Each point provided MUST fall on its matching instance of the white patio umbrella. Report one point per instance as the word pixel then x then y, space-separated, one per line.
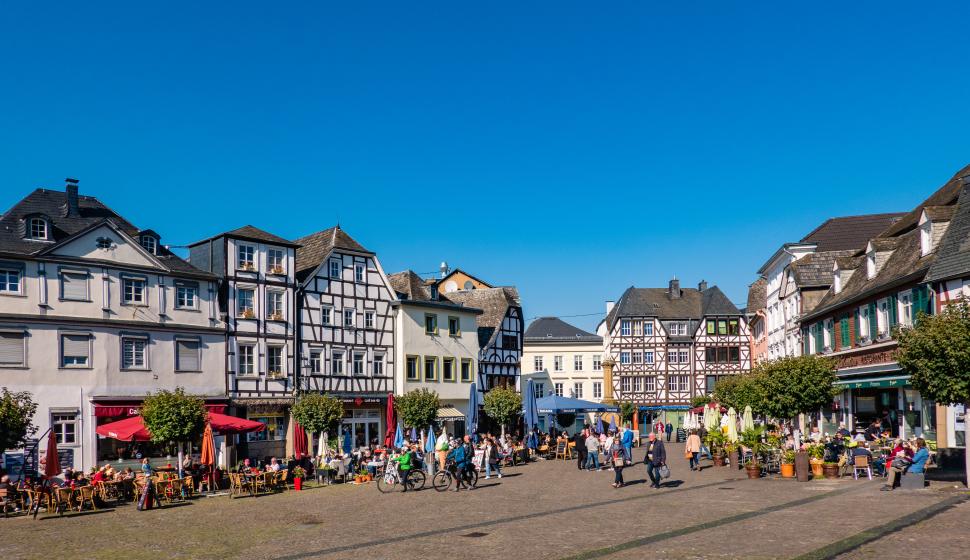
pixel 747 420
pixel 711 419
pixel 732 425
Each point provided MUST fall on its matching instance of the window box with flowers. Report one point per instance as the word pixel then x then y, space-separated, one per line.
pixel 276 375
pixel 247 314
pixel 276 270
pixel 276 317
pixel 247 267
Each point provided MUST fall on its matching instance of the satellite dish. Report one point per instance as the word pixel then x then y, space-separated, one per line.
pixel 451 286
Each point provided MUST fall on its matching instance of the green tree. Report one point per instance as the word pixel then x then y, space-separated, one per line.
pixel 318 413
pixel 936 354
pixel 626 411
pixel 502 404
pixel 417 408
pixel 700 400
pixel 16 413
pixel 790 386
pixel 174 416
pixel 739 391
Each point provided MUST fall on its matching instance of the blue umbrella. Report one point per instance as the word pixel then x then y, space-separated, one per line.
pixel 532 442
pixel 348 446
pixel 399 437
pixel 414 435
pixel 530 411
pixel 599 424
pixel 430 443
pixel 613 424
pixel 472 410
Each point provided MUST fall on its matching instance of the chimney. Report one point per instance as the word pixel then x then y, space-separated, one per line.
pixel 609 305
pixel 702 285
pixel 674 289
pixel 444 269
pixel 73 209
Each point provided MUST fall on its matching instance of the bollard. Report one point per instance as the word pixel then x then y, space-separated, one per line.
pixel 802 468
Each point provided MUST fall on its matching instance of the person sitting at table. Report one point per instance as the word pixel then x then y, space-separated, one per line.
pixel 843 431
pixel 874 430
pixel 99 476
pixel 274 465
pixel 902 464
pixel 13 495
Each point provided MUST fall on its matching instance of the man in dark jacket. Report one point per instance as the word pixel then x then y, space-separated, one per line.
pixel 580 439
pixel 669 429
pixel 656 456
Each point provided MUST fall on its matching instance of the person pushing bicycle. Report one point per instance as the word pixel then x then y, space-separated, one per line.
pixel 404 465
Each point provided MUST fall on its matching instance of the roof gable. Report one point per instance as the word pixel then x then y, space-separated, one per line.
pixel 655 302
pixel 316 247
pixel 121 248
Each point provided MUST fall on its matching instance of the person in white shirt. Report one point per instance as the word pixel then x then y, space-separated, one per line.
pixel 592 452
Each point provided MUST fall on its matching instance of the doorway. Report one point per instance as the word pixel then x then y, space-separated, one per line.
pixel 364 426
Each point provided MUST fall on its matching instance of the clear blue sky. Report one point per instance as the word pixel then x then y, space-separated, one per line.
pixel 570 148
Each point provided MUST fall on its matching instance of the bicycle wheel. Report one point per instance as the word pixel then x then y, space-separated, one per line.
pixel 441 481
pixel 416 480
pixel 473 478
pixel 387 483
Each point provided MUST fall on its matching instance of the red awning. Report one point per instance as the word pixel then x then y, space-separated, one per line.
pixel 132 408
pixel 133 429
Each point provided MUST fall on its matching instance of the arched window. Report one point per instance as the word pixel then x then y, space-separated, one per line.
pixel 37 228
pixel 149 243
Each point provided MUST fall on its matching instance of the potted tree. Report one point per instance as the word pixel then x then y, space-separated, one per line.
pixel 752 440
pixel 816 451
pixel 298 475
pixel 788 464
pixel 715 441
pixel 731 449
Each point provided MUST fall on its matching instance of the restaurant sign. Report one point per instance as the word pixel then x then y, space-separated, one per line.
pixel 867 358
pixel 875 384
pixel 358 401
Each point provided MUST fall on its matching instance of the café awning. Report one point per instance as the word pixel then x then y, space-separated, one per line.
pixel 554 404
pixel 133 429
pixel 450 413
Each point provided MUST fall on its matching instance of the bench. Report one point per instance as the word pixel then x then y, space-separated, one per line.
pixel 912 481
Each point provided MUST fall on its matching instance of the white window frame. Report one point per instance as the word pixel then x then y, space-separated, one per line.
pixel 377 368
pixel 636 357
pixel 598 362
pixel 648 357
pixel 352 323
pixel 649 384
pixel 198 354
pixel 135 340
pixel 882 317
pixel 270 350
pixel 58 420
pixel 648 328
pixel 558 389
pixel 274 265
pixel 905 311
pixel 359 363
pixel 337 362
pixel 368 319
pixel 557 363
pixel 828 334
pixel 240 308
pixel 44 229
pixel 577 362
pixel 865 326
pixel 186 296
pixel 7 272
pixel 626 327
pixel 276 305
pixel 316 361
pixel 81 275
pixel 638 384
pixel 246 257
pixel 132 282
pixel 242 363
pixel 360 273
pixel 597 389
pixel 625 384
pixel 624 357
pixel 539 390
pixel 149 243
pixel 326 315
pixel 335 268
pixel 578 389
pixel 537 363
pixel 637 328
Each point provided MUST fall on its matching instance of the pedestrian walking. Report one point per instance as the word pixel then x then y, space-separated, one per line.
pixel 627 442
pixel 669 428
pixel 580 441
pixel 618 463
pixel 592 452
pixel 693 449
pixel 656 456
pixel 492 458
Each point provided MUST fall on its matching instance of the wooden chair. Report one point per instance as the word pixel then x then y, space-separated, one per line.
pixel 188 486
pixel 280 482
pixel 562 450
pixel 861 463
pixel 62 499
pixel 85 494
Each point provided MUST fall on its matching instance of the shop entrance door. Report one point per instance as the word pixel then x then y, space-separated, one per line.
pixel 364 426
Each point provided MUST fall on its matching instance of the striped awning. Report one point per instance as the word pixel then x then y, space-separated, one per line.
pixel 450 413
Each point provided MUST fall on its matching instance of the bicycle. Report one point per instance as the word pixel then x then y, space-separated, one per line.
pixel 391 479
pixel 443 479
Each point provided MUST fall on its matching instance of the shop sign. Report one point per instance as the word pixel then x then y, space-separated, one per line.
pixel 867 359
pixel 882 384
pixel 358 401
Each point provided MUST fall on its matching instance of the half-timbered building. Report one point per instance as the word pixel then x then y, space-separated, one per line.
pixel 346 307
pixel 500 329
pixel 257 298
pixel 670 345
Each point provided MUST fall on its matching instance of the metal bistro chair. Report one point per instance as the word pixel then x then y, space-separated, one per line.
pixel 861 463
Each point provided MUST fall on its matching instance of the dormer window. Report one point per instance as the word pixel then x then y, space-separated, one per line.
pixel 434 293
pixel 871 265
pixel 837 281
pixel 926 238
pixel 150 243
pixel 37 228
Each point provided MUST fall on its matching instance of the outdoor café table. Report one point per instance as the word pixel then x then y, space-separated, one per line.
pixel 251 478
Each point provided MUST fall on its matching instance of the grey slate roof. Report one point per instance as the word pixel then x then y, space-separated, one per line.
pixel 849 232
pixel 410 287
pixel 251 233
pixel 945 195
pixel 554 329
pixel 654 302
pixel 92 212
pixel 953 254
pixel 757 295
pixel 494 302
pixel 815 270
pixel 315 247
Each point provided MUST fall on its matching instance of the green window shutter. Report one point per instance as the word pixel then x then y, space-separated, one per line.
pixel 844 330
pixel 893 319
pixel 819 338
pixel 806 347
pixel 873 321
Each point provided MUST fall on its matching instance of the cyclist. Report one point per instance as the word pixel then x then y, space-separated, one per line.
pixel 404 465
pixel 470 455
pixel 459 461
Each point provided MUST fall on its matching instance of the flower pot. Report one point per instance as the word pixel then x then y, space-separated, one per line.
pixel 298 484
pixel 733 458
pixel 787 470
pixel 830 470
pixel 816 468
pixel 718 460
pixel 753 470
pixel 368 478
